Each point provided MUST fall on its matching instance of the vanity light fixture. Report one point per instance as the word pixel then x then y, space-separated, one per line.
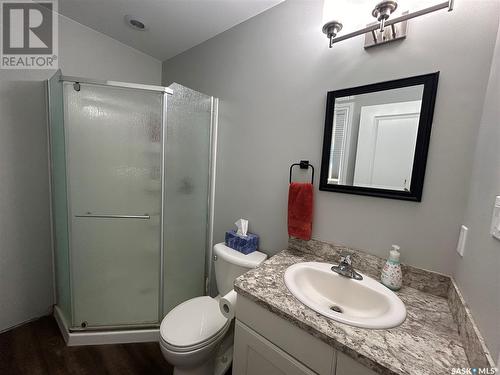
pixel 376 33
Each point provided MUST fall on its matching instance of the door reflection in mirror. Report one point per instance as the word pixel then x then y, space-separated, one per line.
pixel 372 144
pixel 374 137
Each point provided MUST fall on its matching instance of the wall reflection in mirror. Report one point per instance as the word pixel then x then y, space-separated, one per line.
pixel 373 138
pixel 371 135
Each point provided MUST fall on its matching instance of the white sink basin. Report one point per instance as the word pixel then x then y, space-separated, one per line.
pixel 361 303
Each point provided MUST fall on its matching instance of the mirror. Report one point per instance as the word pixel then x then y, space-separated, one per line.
pixel 377 136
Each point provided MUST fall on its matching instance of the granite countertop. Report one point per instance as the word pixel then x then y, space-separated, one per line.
pixel 426 343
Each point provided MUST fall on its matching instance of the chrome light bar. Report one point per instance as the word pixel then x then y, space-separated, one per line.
pixel 382 12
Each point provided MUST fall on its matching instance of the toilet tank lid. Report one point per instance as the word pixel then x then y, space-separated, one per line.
pixel 251 260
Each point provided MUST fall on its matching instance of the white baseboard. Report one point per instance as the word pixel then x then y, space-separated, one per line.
pixel 104 337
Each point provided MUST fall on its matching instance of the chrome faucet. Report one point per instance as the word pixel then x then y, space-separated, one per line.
pixel 345 268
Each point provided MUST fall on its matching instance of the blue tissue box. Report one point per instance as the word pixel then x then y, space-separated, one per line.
pixel 245 245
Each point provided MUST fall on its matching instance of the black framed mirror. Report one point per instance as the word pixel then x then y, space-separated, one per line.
pixel 377 136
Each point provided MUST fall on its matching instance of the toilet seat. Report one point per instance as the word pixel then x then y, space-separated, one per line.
pixel 193 324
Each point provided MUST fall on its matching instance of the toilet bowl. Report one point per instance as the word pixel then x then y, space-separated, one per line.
pixel 190 335
pixel 195 334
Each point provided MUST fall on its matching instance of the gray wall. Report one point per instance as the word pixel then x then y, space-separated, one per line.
pixel 477 272
pixel 26 289
pixel 272 74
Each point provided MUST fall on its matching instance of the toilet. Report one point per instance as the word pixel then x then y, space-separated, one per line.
pixel 194 336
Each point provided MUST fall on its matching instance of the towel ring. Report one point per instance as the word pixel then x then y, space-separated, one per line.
pixel 304 164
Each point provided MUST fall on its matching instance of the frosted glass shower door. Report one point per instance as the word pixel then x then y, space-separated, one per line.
pixel 187 172
pixel 59 195
pixel 114 162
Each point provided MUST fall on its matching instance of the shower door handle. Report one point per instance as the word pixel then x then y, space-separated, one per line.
pixel 110 216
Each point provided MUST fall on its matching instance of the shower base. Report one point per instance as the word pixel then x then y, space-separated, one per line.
pixel 103 337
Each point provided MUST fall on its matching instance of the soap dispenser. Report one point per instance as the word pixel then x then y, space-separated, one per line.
pixel 392 276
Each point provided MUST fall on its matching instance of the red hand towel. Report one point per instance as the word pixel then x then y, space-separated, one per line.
pixel 300 210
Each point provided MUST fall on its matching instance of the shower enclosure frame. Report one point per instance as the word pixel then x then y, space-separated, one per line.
pixel 124 328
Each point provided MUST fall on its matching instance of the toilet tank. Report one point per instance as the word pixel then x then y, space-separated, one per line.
pixel 229 264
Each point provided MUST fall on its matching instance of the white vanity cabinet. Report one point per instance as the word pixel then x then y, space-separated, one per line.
pixel 348 366
pixel 267 344
pixel 256 355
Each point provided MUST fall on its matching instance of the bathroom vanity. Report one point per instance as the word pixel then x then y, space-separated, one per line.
pixel 268 344
pixel 276 334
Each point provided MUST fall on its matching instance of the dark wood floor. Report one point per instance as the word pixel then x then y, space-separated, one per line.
pixel 37 348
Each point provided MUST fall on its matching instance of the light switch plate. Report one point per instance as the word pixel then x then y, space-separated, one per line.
pixel 495 220
pixel 461 240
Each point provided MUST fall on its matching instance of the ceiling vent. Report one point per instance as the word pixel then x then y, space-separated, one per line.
pixel 135 23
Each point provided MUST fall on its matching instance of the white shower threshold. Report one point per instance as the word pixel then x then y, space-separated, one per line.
pixel 103 337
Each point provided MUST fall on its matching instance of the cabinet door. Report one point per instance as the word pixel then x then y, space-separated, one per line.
pixel 348 366
pixel 254 355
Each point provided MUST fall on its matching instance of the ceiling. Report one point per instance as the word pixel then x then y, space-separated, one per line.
pixel 173 26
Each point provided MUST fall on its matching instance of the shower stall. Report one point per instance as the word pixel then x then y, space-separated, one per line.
pixel 132 185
